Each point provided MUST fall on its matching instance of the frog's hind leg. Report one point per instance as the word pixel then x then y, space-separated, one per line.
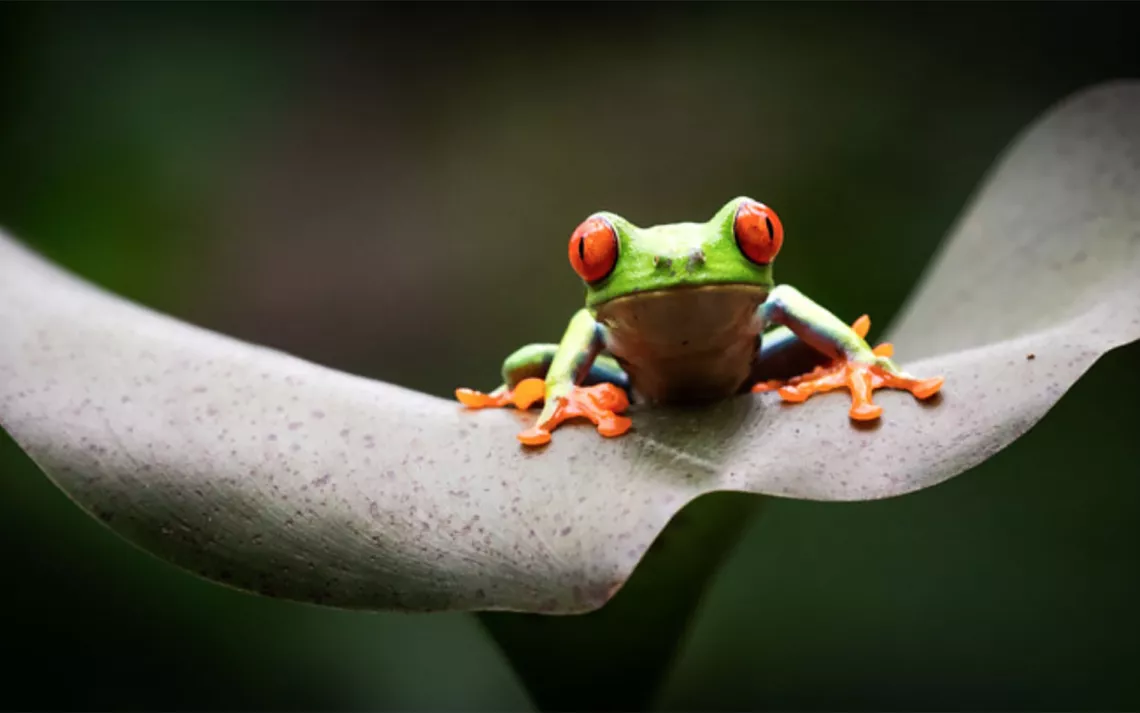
pixel 524 373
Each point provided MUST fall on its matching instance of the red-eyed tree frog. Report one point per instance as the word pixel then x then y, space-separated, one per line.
pixel 687 312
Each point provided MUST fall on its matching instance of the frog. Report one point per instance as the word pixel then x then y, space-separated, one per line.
pixel 685 313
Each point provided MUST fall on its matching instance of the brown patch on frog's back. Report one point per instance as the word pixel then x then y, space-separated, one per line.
pixel 686 343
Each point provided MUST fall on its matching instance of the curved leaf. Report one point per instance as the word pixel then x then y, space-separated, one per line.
pixel 272 474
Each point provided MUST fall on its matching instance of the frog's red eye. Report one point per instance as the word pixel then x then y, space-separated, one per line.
pixel 593 249
pixel 758 232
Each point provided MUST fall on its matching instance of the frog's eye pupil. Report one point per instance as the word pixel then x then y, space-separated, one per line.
pixel 593 249
pixel 758 231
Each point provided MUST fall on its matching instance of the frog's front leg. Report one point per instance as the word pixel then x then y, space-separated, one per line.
pixel 855 366
pixel 572 378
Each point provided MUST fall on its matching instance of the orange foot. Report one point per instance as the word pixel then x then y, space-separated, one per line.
pixel 600 403
pixel 862 378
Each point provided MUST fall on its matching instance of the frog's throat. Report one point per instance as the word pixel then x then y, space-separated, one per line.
pixel 687 342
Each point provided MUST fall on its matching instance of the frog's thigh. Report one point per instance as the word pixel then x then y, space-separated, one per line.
pixel 533 361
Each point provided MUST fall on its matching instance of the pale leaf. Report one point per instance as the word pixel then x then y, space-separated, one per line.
pixel 272 474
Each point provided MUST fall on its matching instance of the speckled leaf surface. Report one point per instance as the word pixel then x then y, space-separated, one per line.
pixel 272 474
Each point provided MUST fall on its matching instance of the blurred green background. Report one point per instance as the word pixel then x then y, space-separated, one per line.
pixel 388 189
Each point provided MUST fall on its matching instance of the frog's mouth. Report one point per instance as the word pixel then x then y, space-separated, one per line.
pixel 684 318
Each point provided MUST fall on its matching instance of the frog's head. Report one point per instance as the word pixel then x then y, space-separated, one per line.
pixel 736 248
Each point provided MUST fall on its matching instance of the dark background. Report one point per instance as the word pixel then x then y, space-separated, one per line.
pixel 388 189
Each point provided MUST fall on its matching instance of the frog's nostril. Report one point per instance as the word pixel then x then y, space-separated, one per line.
pixel 662 263
pixel 696 259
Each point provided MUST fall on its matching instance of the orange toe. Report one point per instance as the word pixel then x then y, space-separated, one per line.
pixel 476 399
pixel 535 436
pixel 614 426
pixel 865 411
pixel 764 386
pixel 793 394
pixel 925 388
pixel 527 393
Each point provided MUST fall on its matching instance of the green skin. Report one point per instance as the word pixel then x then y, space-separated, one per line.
pixel 683 316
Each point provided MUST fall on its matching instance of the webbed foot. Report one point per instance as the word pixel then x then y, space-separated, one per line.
pixel 600 403
pixel 861 376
